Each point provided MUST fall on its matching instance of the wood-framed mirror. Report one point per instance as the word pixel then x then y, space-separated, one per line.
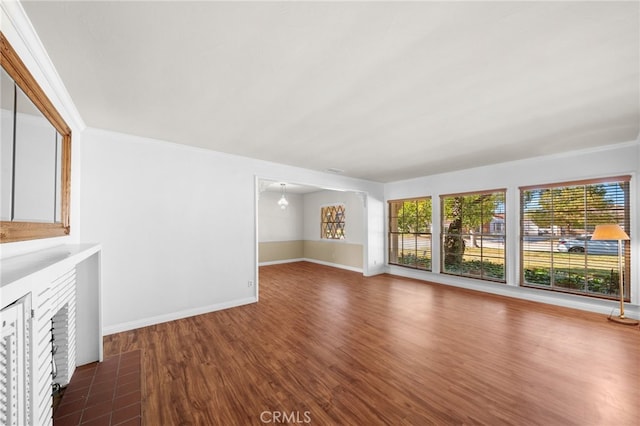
pixel 35 153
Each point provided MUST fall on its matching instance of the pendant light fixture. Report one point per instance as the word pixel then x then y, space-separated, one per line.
pixel 282 202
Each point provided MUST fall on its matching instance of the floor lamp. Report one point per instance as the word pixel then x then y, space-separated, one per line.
pixel 615 232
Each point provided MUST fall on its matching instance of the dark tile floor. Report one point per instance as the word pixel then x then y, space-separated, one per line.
pixel 103 394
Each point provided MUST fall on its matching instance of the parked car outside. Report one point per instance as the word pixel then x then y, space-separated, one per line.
pixel 583 243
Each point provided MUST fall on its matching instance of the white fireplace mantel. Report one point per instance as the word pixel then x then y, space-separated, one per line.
pixel 63 279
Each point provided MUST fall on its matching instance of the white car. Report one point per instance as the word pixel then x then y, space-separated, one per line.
pixel 583 244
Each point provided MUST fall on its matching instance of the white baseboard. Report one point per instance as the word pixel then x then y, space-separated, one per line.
pixel 584 303
pixel 320 262
pixel 376 270
pixel 126 326
pixel 280 262
pixel 334 265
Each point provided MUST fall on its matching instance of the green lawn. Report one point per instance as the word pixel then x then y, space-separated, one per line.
pixel 543 259
pixel 599 275
pixel 533 259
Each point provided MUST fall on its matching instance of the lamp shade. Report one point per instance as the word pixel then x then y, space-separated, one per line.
pixel 609 232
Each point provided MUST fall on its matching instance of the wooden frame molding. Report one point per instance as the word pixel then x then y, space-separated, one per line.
pixel 22 231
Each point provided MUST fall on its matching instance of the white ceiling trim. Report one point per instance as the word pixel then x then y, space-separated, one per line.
pixel 21 27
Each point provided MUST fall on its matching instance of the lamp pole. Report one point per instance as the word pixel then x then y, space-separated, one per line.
pixel 620 279
pixel 613 232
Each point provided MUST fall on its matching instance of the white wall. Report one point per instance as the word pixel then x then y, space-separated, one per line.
pixel 21 35
pixel 604 162
pixel 177 224
pixel 276 224
pixel 376 237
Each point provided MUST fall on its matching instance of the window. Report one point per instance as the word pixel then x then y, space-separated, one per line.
pixel 556 225
pixel 332 222
pixel 410 233
pixel 473 235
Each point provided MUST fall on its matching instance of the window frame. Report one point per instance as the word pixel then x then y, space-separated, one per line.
pixel 483 275
pixel 339 224
pixel 626 259
pixel 428 231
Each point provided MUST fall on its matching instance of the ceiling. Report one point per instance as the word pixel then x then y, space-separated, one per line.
pixel 290 188
pixel 381 90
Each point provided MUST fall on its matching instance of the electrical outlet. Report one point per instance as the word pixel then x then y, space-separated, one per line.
pixel 249 283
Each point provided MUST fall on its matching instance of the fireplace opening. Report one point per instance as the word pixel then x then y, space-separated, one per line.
pixel 59 354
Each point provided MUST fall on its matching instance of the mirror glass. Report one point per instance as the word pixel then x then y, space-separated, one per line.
pixel 35 164
pixel 31 149
pixel 6 144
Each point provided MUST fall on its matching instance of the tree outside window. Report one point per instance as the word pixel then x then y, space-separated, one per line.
pixel 556 225
pixel 410 233
pixel 473 235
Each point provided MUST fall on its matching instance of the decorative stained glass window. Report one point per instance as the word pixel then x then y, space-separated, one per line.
pixel 332 222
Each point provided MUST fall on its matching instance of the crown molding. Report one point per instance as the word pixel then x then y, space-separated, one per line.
pixel 16 24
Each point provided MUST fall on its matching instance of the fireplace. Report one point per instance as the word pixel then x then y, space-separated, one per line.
pixel 29 366
pixel 39 349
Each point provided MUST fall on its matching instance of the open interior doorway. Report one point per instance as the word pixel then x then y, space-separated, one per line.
pixel 313 224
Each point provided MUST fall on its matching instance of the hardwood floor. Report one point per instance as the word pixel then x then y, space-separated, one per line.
pixel 332 347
